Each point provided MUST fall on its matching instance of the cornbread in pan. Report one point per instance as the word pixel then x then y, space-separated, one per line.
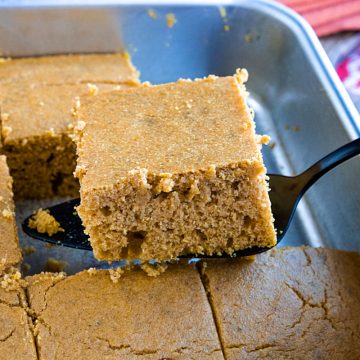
pixel 36 125
pixel 138 316
pixel 37 96
pixel 294 303
pixel 16 337
pixel 172 169
pixel 10 253
pixel 69 69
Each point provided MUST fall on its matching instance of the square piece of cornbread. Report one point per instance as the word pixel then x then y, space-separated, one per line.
pixel 172 169
pixel 292 303
pixel 37 96
pixel 10 253
pixel 136 316
pixel 41 155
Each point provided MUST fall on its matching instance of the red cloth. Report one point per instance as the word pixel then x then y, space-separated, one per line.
pixel 328 16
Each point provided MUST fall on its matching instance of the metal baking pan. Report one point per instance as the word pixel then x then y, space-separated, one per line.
pixel 296 95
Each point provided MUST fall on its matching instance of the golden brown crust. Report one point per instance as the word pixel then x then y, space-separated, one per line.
pixel 290 303
pixel 136 317
pixel 47 109
pixel 166 129
pixel 69 69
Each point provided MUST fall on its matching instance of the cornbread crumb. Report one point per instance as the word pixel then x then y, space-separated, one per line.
pixel 154 270
pixel 8 214
pixel 55 266
pixel 222 12
pixel 166 184
pixel 44 222
pixel 152 13
pixel 170 20
pixel 11 280
pixel 27 250
pixel 93 89
pixel 115 274
pixel 80 125
pixel 223 15
pixel 264 139
pixel 91 271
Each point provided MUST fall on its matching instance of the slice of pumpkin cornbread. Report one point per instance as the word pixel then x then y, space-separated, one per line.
pixel 172 169
pixel 37 96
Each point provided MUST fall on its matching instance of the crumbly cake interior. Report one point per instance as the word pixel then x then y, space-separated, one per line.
pixel 44 222
pixel 172 169
pixel 43 166
pixel 36 109
pixel 10 253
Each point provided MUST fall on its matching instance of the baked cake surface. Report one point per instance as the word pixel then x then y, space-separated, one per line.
pixel 10 253
pixel 88 315
pixel 76 68
pixel 37 99
pixel 294 303
pixel 172 169
pixel 41 155
pixel 16 337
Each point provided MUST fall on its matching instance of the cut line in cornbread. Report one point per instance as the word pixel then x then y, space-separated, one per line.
pixel 291 303
pixel 136 317
pixel 16 336
pixel 172 169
